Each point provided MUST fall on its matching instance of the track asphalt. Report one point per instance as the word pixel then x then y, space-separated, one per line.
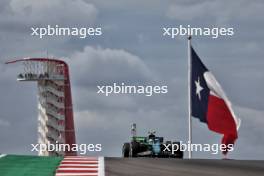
pixel 185 167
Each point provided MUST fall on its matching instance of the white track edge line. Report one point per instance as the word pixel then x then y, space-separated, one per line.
pixel 101 167
pixel 74 174
pixel 74 168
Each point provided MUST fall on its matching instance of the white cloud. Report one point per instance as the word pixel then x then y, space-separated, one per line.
pixel 220 11
pixel 97 66
pixel 51 12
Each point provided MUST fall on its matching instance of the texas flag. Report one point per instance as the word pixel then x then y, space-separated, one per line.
pixel 210 104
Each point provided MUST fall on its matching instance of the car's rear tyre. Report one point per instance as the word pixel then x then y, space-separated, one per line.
pixel 134 149
pixel 179 152
pixel 125 150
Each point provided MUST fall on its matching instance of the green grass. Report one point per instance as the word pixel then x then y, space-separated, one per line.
pixel 15 165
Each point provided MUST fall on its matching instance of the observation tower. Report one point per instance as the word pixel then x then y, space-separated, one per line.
pixel 55 112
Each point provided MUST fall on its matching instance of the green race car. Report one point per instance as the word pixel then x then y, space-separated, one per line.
pixel 151 146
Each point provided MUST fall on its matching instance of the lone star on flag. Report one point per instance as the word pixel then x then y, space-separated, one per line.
pixel 199 88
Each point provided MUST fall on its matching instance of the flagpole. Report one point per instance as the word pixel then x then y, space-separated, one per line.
pixel 189 94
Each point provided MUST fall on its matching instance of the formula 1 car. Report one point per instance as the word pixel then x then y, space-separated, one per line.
pixel 151 146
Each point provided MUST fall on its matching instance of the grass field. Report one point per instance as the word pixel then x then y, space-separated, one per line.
pixel 15 165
